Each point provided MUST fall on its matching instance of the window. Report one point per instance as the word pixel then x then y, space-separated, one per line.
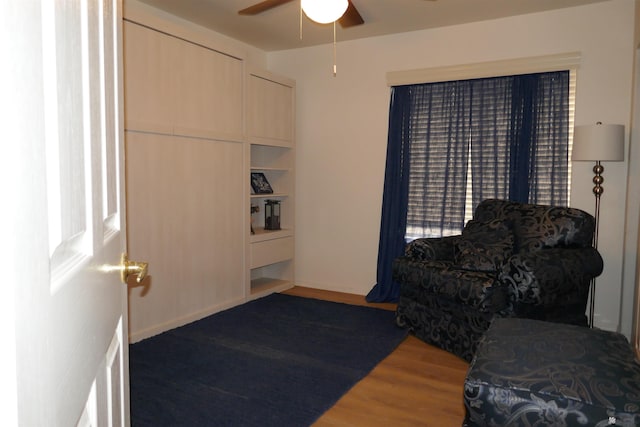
pixel 468 140
pixel 477 159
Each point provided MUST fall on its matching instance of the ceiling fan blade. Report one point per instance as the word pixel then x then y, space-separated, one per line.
pixel 351 17
pixel 262 6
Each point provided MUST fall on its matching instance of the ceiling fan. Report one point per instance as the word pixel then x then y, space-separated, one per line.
pixel 351 17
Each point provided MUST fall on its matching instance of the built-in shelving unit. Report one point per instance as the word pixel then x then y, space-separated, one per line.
pixel 271 138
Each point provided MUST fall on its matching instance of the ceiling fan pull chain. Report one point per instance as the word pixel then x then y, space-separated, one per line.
pixel 300 19
pixel 335 68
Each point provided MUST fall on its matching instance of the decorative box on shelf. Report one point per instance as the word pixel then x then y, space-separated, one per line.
pixel 272 214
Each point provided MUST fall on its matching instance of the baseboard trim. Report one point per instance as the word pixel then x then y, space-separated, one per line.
pixel 176 323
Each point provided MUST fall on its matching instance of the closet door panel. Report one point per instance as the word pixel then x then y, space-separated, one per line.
pixel 185 216
pixel 149 59
pixel 209 86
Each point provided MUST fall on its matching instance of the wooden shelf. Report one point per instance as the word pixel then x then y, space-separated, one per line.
pixel 267 196
pixel 271 169
pixel 267 285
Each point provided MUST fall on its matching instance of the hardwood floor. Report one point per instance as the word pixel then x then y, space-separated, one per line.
pixel 416 385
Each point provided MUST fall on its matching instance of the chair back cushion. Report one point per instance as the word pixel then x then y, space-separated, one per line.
pixel 484 246
pixel 539 226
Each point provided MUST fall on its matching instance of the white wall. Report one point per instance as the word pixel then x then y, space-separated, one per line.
pixel 342 132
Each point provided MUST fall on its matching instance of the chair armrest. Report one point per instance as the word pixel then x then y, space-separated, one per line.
pixel 540 277
pixel 426 249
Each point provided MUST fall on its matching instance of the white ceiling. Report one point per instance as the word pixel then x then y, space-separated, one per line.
pixel 279 28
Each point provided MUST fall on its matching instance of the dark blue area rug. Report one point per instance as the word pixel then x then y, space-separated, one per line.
pixel 277 361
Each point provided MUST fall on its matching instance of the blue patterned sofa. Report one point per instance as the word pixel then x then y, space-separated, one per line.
pixel 511 260
pixel 533 373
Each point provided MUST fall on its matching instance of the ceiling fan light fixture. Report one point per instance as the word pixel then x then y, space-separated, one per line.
pixel 324 11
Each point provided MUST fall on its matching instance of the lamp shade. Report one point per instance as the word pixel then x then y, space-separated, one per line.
pixel 324 11
pixel 598 143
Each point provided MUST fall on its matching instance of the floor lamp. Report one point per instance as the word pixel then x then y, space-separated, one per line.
pixel 598 143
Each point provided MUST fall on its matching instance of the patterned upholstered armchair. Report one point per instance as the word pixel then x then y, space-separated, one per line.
pixel 511 260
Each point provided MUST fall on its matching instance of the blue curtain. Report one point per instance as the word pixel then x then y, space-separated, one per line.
pixel 522 135
pixel 394 200
pixel 440 135
pixel 548 150
pixel 491 124
pixel 520 138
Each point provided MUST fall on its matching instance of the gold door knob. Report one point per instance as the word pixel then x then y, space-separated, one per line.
pixel 131 267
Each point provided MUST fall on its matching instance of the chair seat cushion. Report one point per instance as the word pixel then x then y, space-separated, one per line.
pixel 419 280
pixel 528 372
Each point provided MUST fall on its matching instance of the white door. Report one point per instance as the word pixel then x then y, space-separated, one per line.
pixel 63 316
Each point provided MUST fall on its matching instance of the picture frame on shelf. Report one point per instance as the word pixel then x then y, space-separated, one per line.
pixel 260 184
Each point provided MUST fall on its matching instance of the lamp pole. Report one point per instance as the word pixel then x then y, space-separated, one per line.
pixel 597 192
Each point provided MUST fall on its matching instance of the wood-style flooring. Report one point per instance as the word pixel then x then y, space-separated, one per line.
pixel 416 385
